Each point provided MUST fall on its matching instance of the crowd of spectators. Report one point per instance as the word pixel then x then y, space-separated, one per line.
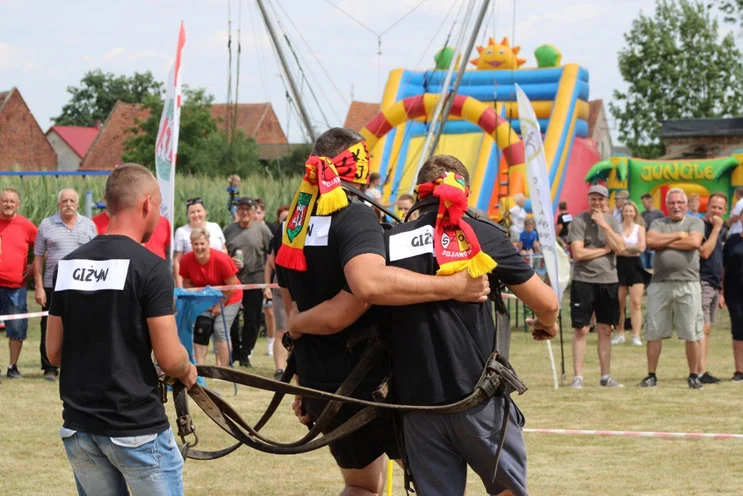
pixel 204 254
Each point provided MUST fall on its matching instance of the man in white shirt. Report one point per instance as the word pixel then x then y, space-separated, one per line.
pixel 518 216
pixel 734 223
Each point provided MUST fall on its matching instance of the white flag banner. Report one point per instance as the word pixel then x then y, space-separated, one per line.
pixel 555 259
pixel 166 146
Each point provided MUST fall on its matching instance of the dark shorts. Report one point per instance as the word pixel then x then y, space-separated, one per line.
pixel 589 297
pixel 440 446
pixel 734 302
pixel 202 330
pixel 365 445
pixel 13 300
pixel 630 271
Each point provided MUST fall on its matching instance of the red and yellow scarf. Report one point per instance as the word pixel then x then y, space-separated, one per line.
pixel 454 241
pixel 322 185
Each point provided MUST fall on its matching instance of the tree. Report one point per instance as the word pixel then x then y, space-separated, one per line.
pixel 731 9
pixel 676 67
pixel 99 92
pixel 201 146
pixel 291 164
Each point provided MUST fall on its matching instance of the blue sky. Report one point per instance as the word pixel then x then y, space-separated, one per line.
pixel 46 46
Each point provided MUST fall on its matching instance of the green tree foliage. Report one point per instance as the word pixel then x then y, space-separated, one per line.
pixel 202 148
pixel 99 92
pixel 291 164
pixel 676 66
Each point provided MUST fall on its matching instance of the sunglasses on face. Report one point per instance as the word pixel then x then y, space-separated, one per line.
pixel 194 201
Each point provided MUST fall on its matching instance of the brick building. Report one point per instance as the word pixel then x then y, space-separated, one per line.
pixel 71 144
pixel 701 138
pixel 259 121
pixel 108 146
pixel 359 113
pixel 23 145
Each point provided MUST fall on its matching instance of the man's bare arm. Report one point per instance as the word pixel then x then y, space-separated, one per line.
pixel 170 354
pixel 709 246
pixel 543 301
pixel 329 317
pixel 583 254
pixel 54 334
pixel 692 241
pixel 657 240
pixel 371 280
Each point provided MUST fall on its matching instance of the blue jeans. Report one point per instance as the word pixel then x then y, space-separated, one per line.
pixel 148 465
pixel 14 301
pixel 647 259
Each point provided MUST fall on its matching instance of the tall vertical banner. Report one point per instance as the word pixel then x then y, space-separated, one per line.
pixel 166 146
pixel 555 259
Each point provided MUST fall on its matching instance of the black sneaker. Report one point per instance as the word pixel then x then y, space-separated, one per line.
pixel 277 375
pixel 245 362
pixel 14 373
pixel 649 381
pixel 694 382
pixel 708 379
pixel 737 377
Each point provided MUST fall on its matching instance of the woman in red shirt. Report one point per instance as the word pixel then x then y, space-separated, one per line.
pixel 205 266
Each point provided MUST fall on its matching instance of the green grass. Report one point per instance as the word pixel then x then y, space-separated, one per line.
pixel 39 193
pixel 34 461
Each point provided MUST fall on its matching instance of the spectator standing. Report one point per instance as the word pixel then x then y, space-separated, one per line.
pixel 710 274
pixel 280 354
pixel 103 329
pixel 403 205
pixel 269 313
pixel 732 260
pixel 182 239
pixel 734 223
pixel 205 266
pixel 649 215
pixel 518 216
pixel 630 272
pixel 594 238
pixel 528 239
pixel 620 197
pixel 373 190
pixel 58 235
pixel 675 294
pixel 254 240
pixel 563 223
pixel 694 201
pixel 17 236
pixel 159 242
pixel 233 193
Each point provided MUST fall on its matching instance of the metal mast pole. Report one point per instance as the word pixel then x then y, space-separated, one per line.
pixel 460 74
pixel 292 85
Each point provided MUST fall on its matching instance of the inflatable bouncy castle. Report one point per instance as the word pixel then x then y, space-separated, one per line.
pixel 483 128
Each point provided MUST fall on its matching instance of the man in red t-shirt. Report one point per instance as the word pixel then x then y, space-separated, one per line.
pixel 158 243
pixel 17 236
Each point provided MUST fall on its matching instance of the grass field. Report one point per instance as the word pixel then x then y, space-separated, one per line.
pixel 33 460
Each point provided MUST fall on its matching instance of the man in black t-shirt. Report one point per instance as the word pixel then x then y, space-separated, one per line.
pixel 563 223
pixel 345 249
pixel 710 274
pixel 112 307
pixel 440 349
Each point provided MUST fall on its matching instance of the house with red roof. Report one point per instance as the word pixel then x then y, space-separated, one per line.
pixel 107 147
pixel 359 114
pixel 71 144
pixel 23 145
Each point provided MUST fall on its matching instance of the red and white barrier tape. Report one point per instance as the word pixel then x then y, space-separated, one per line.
pixel 685 435
pixel 18 316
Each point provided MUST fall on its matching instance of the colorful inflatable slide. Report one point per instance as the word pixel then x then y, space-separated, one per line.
pixel 483 127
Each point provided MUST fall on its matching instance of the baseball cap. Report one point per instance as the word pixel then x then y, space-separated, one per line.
pixel 599 190
pixel 244 200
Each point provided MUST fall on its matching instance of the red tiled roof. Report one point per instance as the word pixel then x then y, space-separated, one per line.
pixel 77 137
pixel 594 109
pixel 359 114
pixel 255 119
pixel 22 142
pixel 106 150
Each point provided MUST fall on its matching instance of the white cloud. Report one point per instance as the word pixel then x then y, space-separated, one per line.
pixel 15 58
pixel 106 57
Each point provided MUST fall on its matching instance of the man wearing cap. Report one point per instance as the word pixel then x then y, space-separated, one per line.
pixel 254 240
pixel 594 237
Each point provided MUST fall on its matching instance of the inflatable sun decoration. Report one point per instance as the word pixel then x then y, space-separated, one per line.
pixel 497 56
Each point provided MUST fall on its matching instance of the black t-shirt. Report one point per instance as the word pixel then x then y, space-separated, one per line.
pixel 564 219
pixel 104 291
pixel 323 361
pixel 732 258
pixel 710 269
pixel 439 349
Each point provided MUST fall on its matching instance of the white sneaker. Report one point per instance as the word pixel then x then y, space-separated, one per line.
pixel 636 341
pixel 577 382
pixel 618 339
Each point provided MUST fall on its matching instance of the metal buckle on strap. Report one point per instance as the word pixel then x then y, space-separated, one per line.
pixel 186 428
pixel 501 377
